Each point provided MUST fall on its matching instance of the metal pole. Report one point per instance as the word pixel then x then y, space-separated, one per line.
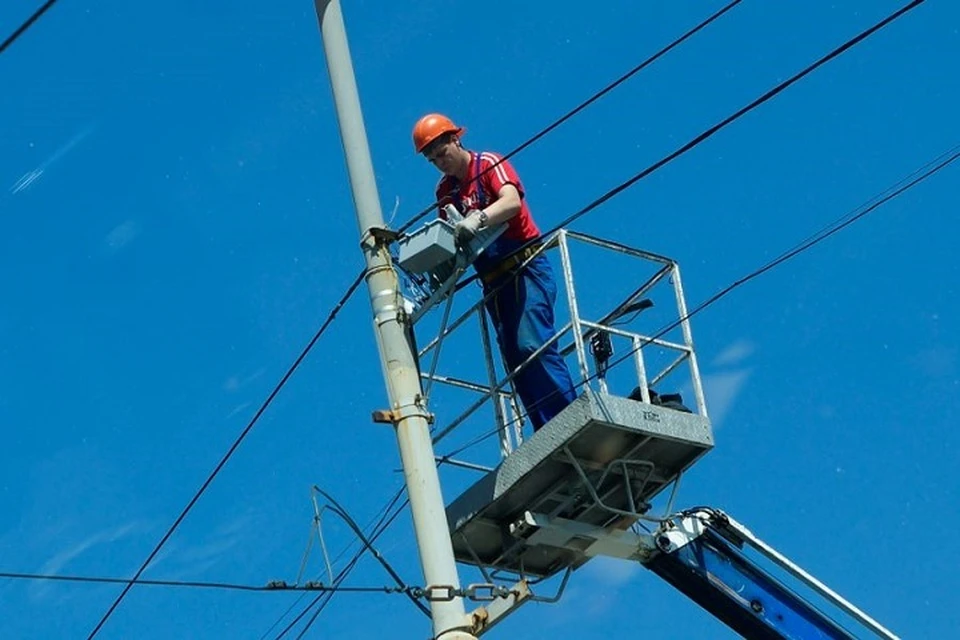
pixel 398 357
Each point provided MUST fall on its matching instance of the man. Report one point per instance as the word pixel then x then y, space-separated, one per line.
pixel 487 191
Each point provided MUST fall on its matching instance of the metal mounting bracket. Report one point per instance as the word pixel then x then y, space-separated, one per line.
pixel 484 618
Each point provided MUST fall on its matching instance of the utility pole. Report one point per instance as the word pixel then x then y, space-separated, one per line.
pixel 407 411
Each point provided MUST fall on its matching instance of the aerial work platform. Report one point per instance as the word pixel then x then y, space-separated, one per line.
pixel 599 463
pixel 583 485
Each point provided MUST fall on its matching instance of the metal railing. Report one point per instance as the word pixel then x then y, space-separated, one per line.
pixel 573 335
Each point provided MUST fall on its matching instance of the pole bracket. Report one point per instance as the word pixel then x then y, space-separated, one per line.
pixel 382 236
pixel 501 605
pixel 393 416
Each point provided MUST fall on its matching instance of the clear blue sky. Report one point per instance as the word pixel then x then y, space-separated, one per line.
pixel 177 224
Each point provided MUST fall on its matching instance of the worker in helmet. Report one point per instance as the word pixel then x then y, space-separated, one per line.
pixel 487 191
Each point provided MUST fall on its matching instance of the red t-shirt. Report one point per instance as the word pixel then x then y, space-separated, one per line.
pixel 474 193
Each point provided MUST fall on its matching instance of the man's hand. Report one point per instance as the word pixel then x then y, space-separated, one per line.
pixel 467 229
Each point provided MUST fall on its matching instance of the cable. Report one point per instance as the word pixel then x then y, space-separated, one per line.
pixel 26 25
pixel 730 119
pixel 817 239
pixel 583 105
pixel 223 461
pixel 347 571
pixel 341 576
pixel 380 517
pixel 904 184
pixel 273 586
pixel 482 437
pixel 338 509
pixel 374 531
pixel 685 148
pixel 372 528
pixel 741 112
pixel 702 137
pixel 919 170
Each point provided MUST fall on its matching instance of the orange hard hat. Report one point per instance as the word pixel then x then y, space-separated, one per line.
pixel 430 127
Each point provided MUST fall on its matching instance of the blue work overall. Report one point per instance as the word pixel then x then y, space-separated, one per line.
pixel 522 314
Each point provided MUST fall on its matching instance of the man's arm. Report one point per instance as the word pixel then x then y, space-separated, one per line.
pixel 506 206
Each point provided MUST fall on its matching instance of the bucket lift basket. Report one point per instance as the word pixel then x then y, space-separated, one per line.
pixel 598 463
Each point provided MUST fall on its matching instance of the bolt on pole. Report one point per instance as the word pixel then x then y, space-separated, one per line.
pixel 397 354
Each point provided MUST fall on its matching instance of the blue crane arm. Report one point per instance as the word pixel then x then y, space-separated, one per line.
pixel 702 553
pixel 718 577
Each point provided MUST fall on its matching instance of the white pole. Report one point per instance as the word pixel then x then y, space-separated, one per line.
pixel 399 360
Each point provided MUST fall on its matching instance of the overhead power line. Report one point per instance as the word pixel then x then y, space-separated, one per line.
pixel 814 240
pixel 338 509
pixel 705 135
pixel 696 141
pixel 272 586
pixel 899 188
pixel 769 95
pixel 223 461
pixel 341 576
pixel 586 103
pixel 26 25
pixel 373 530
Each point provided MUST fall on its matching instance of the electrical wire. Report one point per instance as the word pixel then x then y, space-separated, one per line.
pixel 817 239
pixel 904 184
pixel 13 37
pixel 699 139
pixel 381 516
pixel 223 461
pixel 705 135
pixel 443 459
pixel 338 509
pixel 341 576
pixel 769 95
pixel 329 597
pixel 372 529
pixel 586 103
pixel 906 179
pixel 273 586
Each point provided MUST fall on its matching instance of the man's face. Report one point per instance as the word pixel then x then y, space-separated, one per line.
pixel 441 153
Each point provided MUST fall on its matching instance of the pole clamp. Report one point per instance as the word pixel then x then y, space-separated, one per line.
pixel 393 416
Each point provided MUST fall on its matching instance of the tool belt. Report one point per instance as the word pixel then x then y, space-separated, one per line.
pixel 509 264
